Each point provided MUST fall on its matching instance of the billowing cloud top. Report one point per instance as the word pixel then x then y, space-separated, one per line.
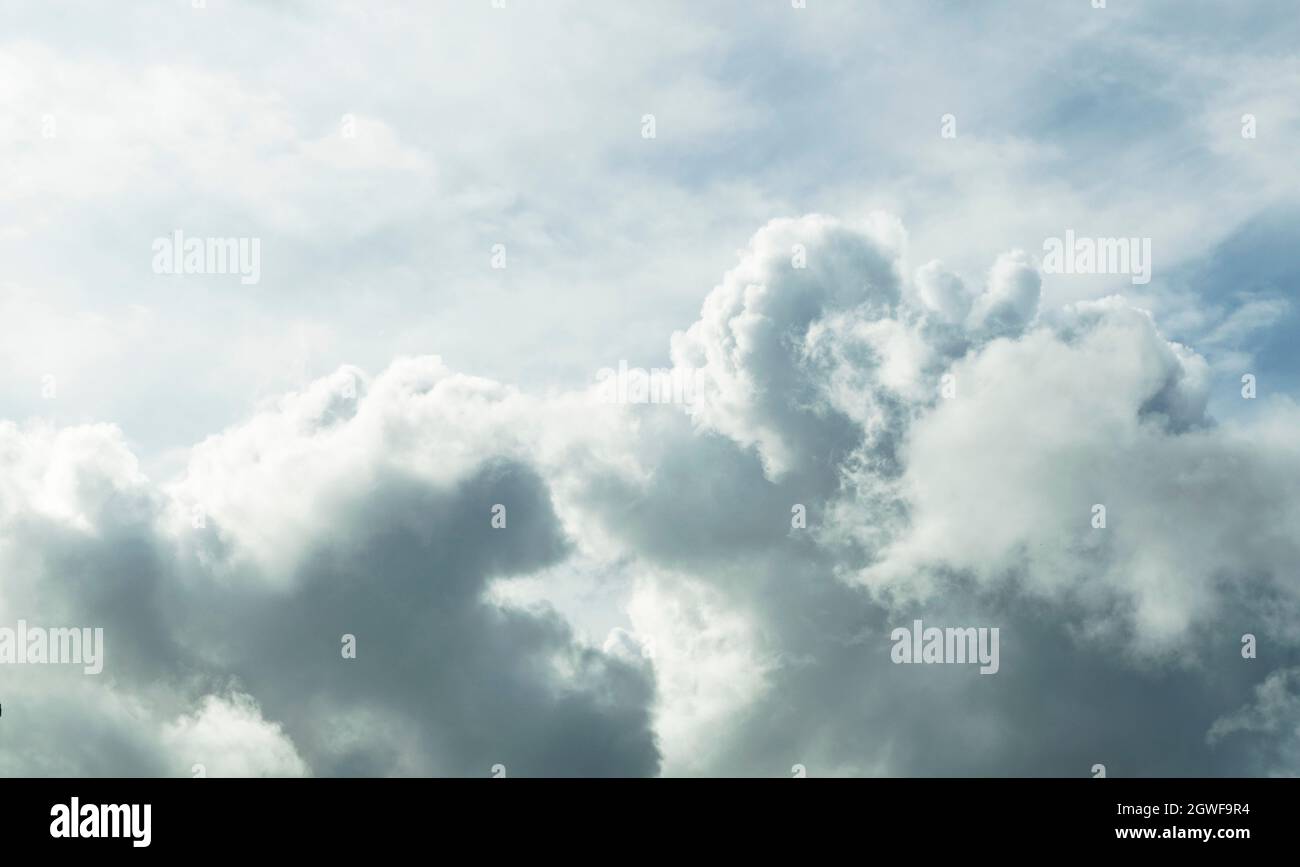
pixel 378 575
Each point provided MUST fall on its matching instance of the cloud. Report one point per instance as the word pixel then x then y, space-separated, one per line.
pixel 1002 482
pixel 342 511
pixel 974 508
pixel 77 726
pixel 942 291
pixel 98 130
pixel 946 417
pixel 229 738
pixel 1274 719
pixel 758 389
pixel 1011 300
pixel 948 470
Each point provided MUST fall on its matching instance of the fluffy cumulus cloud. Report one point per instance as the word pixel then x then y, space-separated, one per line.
pixel 352 512
pixel 867 445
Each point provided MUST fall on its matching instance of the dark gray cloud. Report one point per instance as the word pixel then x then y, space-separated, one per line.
pixel 444 681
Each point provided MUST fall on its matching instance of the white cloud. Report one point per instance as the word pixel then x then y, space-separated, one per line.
pixel 1011 300
pixel 229 738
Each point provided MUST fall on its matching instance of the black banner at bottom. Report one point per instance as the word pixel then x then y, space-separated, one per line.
pixel 505 816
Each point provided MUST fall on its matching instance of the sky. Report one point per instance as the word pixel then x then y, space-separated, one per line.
pixel 376 500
